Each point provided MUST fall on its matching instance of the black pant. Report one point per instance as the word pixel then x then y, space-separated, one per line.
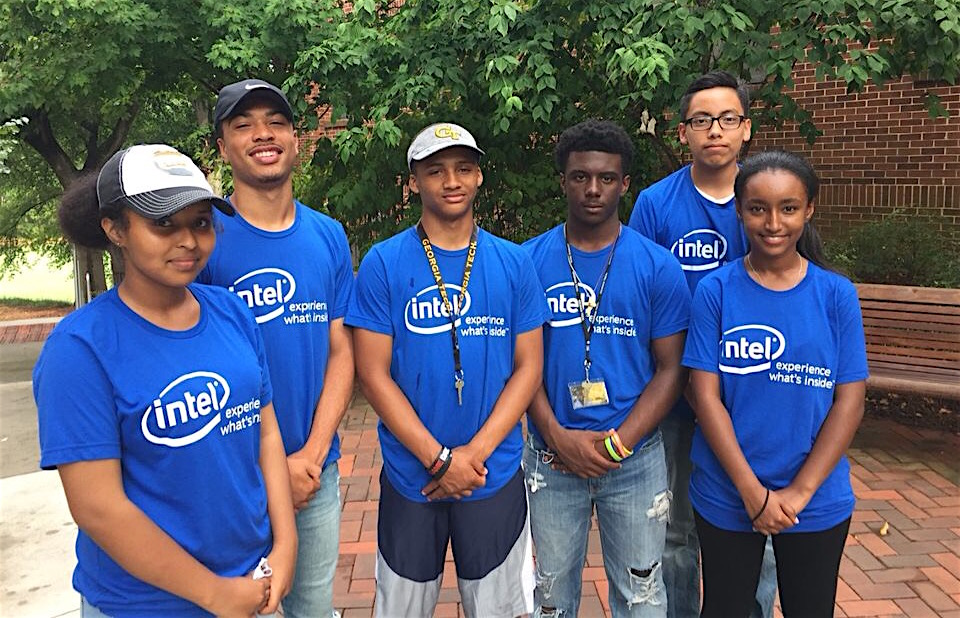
pixel 807 568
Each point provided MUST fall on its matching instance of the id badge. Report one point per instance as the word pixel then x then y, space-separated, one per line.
pixel 588 393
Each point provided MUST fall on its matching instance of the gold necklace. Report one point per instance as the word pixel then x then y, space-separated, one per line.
pixel 760 280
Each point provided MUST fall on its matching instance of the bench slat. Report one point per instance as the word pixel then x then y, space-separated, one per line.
pixel 924 375
pixel 902 384
pixel 878 307
pixel 892 339
pixel 927 318
pixel 932 334
pixel 939 296
pixel 891 365
pixel 945 357
pixel 911 325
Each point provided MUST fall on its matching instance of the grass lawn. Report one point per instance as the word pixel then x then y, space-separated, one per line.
pixel 38 280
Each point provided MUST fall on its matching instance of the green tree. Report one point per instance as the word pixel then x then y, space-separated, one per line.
pixel 89 77
pixel 93 75
pixel 517 71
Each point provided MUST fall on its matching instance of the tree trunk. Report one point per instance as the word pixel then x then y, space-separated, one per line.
pixel 117 265
pixel 90 278
pixel 88 271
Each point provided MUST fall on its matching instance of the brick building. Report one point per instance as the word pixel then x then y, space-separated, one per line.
pixel 880 151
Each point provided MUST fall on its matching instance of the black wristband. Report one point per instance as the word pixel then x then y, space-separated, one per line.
pixel 438 460
pixel 443 469
pixel 762 508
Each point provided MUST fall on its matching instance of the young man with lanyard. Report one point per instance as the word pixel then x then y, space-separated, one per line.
pixel 620 308
pixel 447 321
pixel 292 266
pixel 691 212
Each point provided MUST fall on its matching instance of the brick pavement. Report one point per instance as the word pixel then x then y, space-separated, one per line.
pixel 904 477
pixel 23 331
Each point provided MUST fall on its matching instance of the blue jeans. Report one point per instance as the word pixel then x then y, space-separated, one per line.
pixel 318 531
pixel 632 508
pixel 681 557
pixel 89 611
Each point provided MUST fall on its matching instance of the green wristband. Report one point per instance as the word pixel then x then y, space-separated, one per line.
pixel 608 442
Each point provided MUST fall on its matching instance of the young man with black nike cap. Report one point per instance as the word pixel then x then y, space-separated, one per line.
pixel 293 268
pixel 447 321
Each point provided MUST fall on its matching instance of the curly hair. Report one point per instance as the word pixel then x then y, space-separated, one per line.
pixel 79 214
pixel 593 134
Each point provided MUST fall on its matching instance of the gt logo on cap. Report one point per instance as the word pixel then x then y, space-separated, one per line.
pixel 172 162
pixel 444 131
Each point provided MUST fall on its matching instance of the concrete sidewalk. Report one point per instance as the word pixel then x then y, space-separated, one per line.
pixel 36 531
pixel 907 478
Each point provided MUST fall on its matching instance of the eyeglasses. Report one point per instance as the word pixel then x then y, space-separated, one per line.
pixel 704 122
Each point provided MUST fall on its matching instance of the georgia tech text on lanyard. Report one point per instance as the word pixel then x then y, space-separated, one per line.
pixel 453 313
pixel 589 393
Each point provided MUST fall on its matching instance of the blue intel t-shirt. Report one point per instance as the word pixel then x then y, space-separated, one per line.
pixel 396 295
pixel 645 298
pixel 181 411
pixel 702 234
pixel 779 356
pixel 296 281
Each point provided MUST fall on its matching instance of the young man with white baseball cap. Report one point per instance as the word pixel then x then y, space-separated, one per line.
pixel 447 322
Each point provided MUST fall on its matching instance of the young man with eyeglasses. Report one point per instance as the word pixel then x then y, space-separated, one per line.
pixel 447 320
pixel 691 212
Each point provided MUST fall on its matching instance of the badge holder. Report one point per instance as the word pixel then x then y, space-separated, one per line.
pixel 588 393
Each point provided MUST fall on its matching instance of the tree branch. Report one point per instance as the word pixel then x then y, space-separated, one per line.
pixel 98 154
pixel 44 199
pixel 39 135
pixel 669 161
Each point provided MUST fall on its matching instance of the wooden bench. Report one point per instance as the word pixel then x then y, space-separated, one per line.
pixel 913 338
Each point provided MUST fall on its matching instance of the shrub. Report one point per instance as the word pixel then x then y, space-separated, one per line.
pixel 899 250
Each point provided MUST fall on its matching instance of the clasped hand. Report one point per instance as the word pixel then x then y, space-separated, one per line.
pixel 781 512
pixel 304 479
pixel 466 473
pixel 582 452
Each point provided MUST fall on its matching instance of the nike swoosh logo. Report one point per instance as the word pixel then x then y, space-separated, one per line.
pixel 252 86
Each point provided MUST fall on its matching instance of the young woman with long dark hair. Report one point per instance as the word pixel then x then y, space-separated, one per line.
pixel 778 364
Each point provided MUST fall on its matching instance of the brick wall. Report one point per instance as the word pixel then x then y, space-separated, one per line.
pixel 880 151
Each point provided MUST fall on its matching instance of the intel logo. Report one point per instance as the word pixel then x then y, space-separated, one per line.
pixel 186 410
pixel 265 291
pixel 426 314
pixel 565 303
pixel 700 250
pixel 750 348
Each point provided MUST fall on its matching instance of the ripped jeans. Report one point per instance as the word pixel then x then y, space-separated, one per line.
pixel 632 510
